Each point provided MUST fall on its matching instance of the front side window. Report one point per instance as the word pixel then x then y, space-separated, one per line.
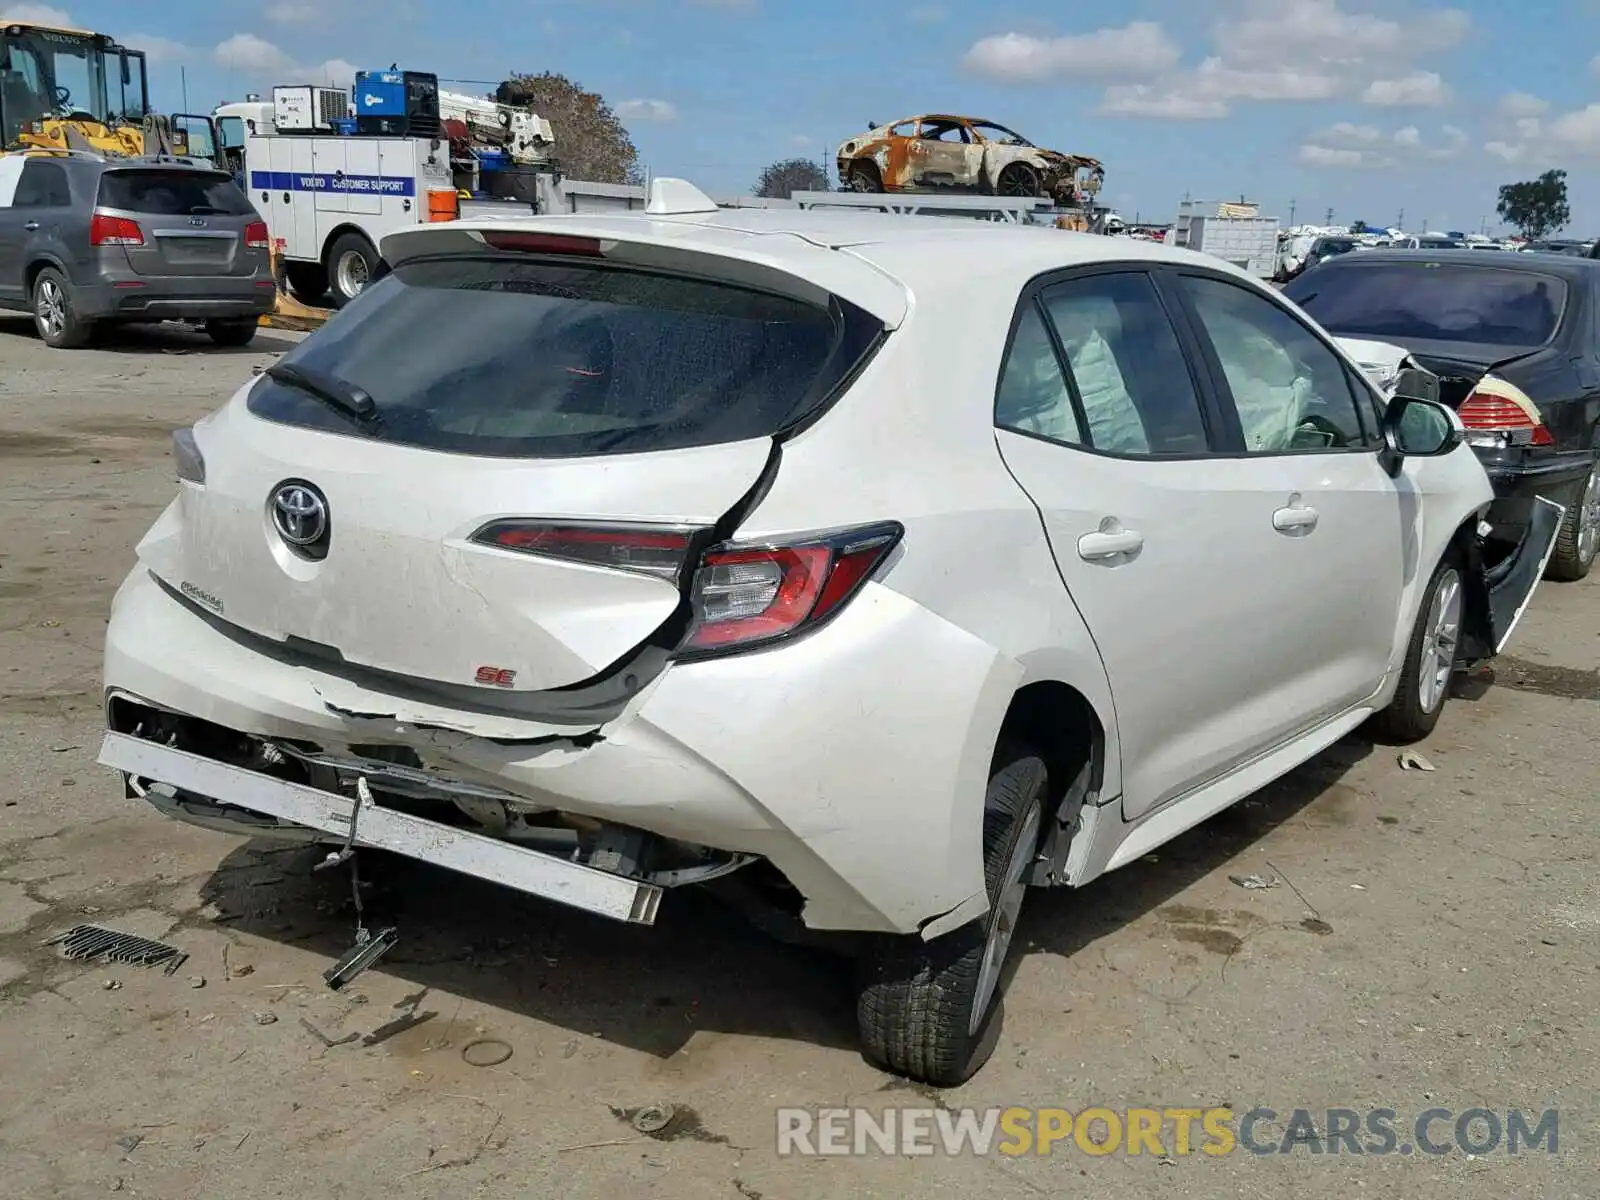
pixel 1292 392
pixel 1127 365
pixel 42 185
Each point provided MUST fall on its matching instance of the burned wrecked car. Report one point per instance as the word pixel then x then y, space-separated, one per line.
pixel 950 153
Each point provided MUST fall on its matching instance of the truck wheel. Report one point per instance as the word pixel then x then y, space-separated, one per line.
pixel 308 281
pixel 57 321
pixel 352 263
pixel 1430 658
pixel 1579 538
pixel 232 333
pixel 930 1010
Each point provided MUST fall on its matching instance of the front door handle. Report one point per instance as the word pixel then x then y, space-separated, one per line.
pixel 31 226
pixel 1097 547
pixel 1296 519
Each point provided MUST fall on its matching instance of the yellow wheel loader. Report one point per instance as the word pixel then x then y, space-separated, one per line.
pixel 70 89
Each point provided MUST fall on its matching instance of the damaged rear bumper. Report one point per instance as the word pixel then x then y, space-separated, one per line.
pixel 381 828
pixel 852 760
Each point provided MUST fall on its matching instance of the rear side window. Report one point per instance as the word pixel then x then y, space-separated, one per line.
pixel 42 185
pixel 1446 302
pixel 542 359
pixel 173 193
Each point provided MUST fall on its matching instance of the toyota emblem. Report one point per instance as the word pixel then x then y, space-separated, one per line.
pixel 300 514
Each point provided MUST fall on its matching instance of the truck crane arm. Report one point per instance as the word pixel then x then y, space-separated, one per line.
pixel 523 134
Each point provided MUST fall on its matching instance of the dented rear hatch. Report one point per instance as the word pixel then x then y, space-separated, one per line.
pixel 496 471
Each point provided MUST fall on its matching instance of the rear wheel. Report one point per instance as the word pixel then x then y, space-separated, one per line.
pixel 352 264
pixel 1579 538
pixel 232 333
pixel 930 1010
pixel 54 316
pixel 308 281
pixel 1430 658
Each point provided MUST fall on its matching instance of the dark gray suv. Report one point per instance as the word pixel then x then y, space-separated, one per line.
pixel 87 240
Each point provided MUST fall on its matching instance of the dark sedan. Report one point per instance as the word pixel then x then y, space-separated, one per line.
pixel 1516 341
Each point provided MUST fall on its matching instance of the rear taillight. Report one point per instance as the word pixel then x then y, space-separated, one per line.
pixel 742 596
pixel 106 230
pixel 749 596
pixel 256 237
pixel 1497 414
pixel 650 551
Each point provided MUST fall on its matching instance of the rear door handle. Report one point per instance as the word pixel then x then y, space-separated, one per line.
pixel 31 226
pixel 1097 547
pixel 1295 519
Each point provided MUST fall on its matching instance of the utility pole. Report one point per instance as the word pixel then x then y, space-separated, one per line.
pixel 183 77
pixel 1400 221
pixel 1329 221
pixel 1291 213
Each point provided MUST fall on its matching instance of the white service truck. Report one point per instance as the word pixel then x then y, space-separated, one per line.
pixel 327 199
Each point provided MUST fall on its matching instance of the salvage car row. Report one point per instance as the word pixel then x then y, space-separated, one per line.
pixel 603 555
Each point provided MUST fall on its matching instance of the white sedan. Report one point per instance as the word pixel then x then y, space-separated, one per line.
pixel 883 566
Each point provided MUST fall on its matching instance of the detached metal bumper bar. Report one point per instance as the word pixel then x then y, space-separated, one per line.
pixel 382 828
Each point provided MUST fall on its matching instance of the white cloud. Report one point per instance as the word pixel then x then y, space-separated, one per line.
pixel 1419 89
pixel 1594 65
pixel 158 49
pixel 1142 100
pixel 1217 81
pixel 1408 137
pixel 1331 156
pixel 1578 131
pixel 1522 104
pixel 647 110
pixel 1319 31
pixel 335 72
pixel 1529 128
pixel 1504 150
pixel 292 12
pixel 1344 131
pixel 247 52
pixel 35 14
pixel 1139 50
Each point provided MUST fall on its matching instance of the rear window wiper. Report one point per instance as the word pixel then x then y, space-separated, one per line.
pixel 331 390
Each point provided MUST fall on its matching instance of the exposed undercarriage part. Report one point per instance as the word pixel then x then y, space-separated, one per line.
pixel 418 801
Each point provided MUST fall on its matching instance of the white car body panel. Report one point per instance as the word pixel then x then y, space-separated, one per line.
pixel 853 757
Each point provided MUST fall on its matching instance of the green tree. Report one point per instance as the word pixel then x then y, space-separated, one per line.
pixel 591 142
pixel 1537 207
pixel 782 179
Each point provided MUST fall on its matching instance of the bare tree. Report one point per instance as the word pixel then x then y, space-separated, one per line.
pixel 791 175
pixel 591 142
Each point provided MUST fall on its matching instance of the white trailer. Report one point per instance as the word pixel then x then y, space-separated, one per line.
pixel 328 199
pixel 1233 232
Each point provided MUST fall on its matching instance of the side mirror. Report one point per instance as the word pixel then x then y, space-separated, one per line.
pixel 1420 428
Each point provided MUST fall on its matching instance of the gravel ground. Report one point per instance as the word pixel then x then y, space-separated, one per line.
pixel 1439 945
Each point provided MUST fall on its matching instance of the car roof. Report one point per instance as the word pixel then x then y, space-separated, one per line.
pixel 873 259
pixel 1562 266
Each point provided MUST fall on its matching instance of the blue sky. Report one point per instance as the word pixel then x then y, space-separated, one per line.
pixel 1355 105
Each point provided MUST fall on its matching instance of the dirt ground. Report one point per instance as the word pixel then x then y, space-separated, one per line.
pixel 1439 946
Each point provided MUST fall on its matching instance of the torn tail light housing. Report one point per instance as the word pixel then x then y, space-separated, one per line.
pixel 107 230
pixel 660 551
pixel 255 236
pixel 750 596
pixel 1498 415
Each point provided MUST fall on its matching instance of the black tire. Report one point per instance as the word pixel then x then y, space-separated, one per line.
pixel 54 316
pixel 347 248
pixel 917 998
pixel 233 333
pixel 1574 554
pixel 864 177
pixel 1018 179
pixel 308 282
pixel 1411 715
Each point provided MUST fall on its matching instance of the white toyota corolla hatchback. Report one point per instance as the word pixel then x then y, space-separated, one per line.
pixel 884 566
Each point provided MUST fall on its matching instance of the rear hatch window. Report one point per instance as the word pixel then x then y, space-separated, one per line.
pixel 545 359
pixel 173 193
pixel 1442 302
